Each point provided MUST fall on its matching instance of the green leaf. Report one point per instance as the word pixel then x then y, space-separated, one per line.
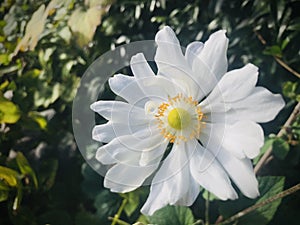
pixel 3 186
pixel 3 195
pixel 84 23
pixel 268 143
pixel 9 112
pixel 178 215
pixel 4 191
pixel 268 187
pixel 46 95
pixel 290 89
pixel 107 204
pixel 38 119
pixel 280 148
pixel 206 194
pixel 132 202
pixel 4 59
pixel 25 168
pixel 294 25
pixel 4 85
pixel 9 176
pixel 285 42
pixel 274 50
pixel 143 219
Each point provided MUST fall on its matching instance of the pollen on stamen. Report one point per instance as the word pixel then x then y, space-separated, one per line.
pixel 182 133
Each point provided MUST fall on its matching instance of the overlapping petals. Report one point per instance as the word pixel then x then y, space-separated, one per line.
pixel 225 138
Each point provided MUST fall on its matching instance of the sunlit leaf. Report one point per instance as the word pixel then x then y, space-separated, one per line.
pixel 9 112
pixel 33 30
pixel 40 120
pixel 8 175
pixel 291 89
pixel 4 59
pixel 46 94
pixel 11 177
pixel 84 23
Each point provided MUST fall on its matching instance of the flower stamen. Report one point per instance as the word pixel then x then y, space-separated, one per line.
pixel 179 119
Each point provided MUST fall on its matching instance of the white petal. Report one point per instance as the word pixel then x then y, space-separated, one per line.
pixel 211 63
pixel 106 158
pixel 114 152
pixel 153 154
pixel 124 178
pixel 127 88
pixel 260 106
pixel 159 88
pixel 192 51
pixel 173 183
pixel 118 111
pixel 172 64
pixel 214 53
pixel 168 51
pixel 207 171
pixel 234 85
pixel 140 67
pixel 241 172
pixel 129 148
pixel 108 131
pixel 243 138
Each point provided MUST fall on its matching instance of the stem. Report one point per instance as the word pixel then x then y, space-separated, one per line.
pixel 263 203
pixel 267 154
pixel 115 219
pixel 207 209
pixel 120 222
pixel 284 65
pixel 277 59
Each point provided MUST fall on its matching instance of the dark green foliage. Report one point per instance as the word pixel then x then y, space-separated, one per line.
pixel 269 186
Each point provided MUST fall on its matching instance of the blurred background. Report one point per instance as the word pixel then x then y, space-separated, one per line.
pixel 45 48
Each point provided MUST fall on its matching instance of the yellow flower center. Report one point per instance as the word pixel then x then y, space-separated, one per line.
pixel 179 118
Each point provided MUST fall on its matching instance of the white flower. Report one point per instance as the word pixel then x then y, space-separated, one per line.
pixel 208 114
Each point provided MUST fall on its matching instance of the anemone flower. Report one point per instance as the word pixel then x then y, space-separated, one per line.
pixel 206 117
